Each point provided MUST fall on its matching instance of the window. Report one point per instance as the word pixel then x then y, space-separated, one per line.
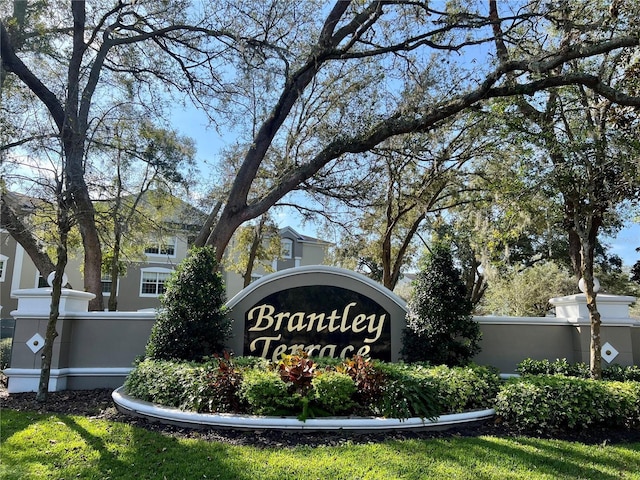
pixel 106 284
pixel 152 281
pixel 255 277
pixel 165 247
pixel 41 282
pixel 286 248
pixel 3 267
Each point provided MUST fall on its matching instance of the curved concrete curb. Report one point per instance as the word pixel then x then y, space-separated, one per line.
pixel 174 416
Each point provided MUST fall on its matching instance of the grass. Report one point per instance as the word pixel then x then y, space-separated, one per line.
pixel 47 446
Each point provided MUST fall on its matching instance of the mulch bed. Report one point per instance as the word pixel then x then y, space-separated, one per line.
pixel 98 404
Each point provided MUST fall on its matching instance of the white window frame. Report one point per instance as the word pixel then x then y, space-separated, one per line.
pixel 3 267
pixel 286 253
pixel 152 270
pixel 158 245
pixel 106 277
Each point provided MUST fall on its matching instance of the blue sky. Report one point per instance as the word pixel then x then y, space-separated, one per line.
pixel 625 243
pixel 209 143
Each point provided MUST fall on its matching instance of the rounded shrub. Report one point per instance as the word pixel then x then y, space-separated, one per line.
pixel 192 323
pixel 333 391
pixel 408 392
pixel 266 394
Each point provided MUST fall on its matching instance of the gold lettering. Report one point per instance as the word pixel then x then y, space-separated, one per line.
pixel 267 342
pixel 312 317
pixel 331 348
pixel 296 322
pixel 363 351
pixel 332 318
pixel 361 319
pixel 265 312
pixel 348 348
pixel 375 327
pixel 345 314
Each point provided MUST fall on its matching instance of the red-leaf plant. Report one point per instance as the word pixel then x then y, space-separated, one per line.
pixel 299 370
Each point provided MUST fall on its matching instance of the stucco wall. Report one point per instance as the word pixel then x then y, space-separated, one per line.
pixel 97 349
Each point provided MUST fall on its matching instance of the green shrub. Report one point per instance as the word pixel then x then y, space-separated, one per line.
pixel 5 353
pixel 163 382
pixel 465 388
pixel 408 392
pixel 369 380
pixel 266 394
pixel 440 328
pixel 333 391
pixel 218 389
pixel 192 323
pixel 251 362
pixel 622 373
pixel 562 367
pixel 546 402
pixel 356 386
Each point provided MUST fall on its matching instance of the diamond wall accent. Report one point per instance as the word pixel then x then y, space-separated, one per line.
pixel 608 352
pixel 35 343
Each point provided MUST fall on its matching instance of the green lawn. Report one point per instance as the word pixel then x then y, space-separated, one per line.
pixel 35 446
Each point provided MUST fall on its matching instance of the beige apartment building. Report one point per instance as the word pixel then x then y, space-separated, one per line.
pixel 141 286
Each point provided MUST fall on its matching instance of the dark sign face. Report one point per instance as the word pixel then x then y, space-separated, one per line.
pixel 325 321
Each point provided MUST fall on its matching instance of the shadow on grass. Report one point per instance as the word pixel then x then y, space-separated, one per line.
pixel 555 459
pixel 39 446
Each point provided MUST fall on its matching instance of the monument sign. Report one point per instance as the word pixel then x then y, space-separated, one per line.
pixel 326 311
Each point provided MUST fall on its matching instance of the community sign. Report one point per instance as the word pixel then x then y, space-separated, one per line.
pixel 325 311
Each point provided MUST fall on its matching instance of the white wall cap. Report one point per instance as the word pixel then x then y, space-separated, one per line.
pixel 601 298
pixel 46 292
pixel 38 301
pixel 312 269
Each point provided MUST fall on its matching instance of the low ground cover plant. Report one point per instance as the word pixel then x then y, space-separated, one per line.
pixel 302 386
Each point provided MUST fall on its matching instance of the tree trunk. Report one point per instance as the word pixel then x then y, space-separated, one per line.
pixel 223 231
pixel 595 346
pixel 85 217
pixel 253 251
pixel 115 269
pixel 21 234
pixel 54 312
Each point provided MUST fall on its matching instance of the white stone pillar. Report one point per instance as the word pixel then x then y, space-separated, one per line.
pixel 619 333
pixel 31 317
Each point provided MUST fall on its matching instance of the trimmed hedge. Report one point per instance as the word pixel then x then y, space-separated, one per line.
pixel 551 402
pixel 359 386
pixel 561 366
pixel 355 386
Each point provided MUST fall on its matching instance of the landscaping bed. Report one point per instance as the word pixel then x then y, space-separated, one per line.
pixel 98 404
